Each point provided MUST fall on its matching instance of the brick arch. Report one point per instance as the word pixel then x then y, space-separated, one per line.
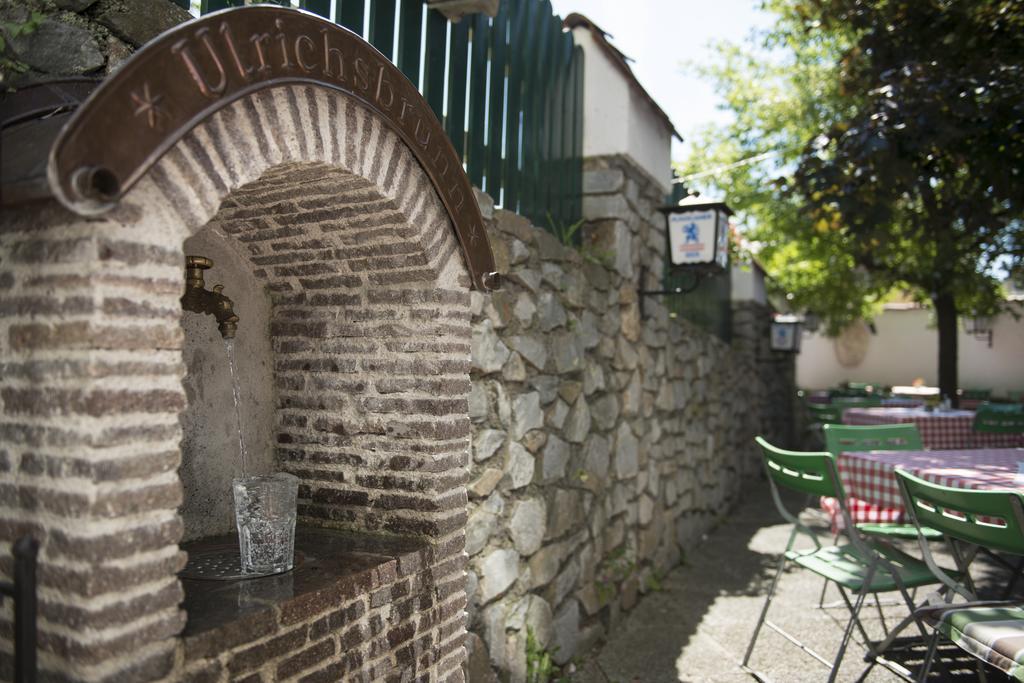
pixel 290 125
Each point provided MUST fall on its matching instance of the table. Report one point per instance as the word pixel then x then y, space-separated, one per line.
pixel 825 398
pixel 949 429
pixel 915 391
pixel 873 494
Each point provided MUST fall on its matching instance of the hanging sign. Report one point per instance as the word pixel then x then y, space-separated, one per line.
pixel 785 334
pixel 692 237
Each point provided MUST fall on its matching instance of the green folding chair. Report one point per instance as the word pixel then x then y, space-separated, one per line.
pixel 894 437
pixel 825 414
pixel 976 394
pixel 861 566
pixel 997 420
pixel 991 631
pixel 821 414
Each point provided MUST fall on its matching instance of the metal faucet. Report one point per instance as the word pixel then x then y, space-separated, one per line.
pixel 198 299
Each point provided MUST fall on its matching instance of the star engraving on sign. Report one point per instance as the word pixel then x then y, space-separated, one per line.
pixel 473 236
pixel 148 104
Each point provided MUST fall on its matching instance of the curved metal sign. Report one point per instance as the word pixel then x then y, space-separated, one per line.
pixel 188 73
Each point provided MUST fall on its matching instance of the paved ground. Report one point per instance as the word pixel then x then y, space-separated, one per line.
pixel 697 627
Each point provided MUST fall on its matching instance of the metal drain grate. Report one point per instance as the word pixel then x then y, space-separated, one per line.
pixel 222 564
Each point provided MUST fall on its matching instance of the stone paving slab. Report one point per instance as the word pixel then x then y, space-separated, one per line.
pixel 697 627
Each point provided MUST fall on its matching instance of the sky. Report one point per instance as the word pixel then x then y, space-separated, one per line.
pixel 661 36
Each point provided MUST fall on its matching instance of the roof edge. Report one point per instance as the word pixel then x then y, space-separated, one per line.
pixel 577 20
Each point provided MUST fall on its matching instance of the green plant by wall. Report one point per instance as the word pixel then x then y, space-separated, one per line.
pixel 13 30
pixel 611 572
pixel 565 233
pixel 540 667
pixel 569 235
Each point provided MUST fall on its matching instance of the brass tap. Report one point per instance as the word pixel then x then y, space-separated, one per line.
pixel 198 299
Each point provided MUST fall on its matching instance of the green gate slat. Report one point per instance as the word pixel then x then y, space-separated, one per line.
pixel 382 26
pixel 433 71
pixel 499 60
pixel 319 7
pixel 207 6
pixel 530 91
pixel 537 207
pixel 349 13
pixel 577 156
pixel 518 36
pixel 410 26
pixel 476 162
pixel 565 122
pixel 556 111
pixel 184 4
pixel 549 168
pixel 455 124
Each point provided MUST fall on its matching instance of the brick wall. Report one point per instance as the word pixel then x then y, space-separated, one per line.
pixel 605 444
pixel 371 337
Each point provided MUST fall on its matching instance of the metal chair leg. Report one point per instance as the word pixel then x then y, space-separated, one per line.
pixel 881 616
pixel 764 610
pixel 850 608
pixel 929 658
pixel 861 595
pixel 1013 579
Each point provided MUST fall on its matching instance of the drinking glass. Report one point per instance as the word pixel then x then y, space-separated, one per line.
pixel 265 516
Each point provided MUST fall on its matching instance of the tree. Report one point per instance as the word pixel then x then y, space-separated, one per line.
pixel 909 173
pixel 783 88
pixel 927 176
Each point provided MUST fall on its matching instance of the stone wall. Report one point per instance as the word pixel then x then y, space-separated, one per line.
pixel 604 444
pixel 45 39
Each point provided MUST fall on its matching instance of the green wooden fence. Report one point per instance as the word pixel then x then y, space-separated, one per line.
pixel 508 90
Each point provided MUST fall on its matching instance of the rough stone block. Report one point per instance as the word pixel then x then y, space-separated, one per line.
pixel 553 460
pixel 498 571
pixel 603 181
pixel 527 526
pixel 530 348
pixel 519 466
pixel 566 626
pixel 526 414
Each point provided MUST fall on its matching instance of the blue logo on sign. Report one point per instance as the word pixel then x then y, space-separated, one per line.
pixel 690 233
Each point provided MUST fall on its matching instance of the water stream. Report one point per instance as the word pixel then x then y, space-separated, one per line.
pixel 229 346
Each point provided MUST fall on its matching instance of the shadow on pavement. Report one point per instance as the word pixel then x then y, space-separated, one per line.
pixel 697 627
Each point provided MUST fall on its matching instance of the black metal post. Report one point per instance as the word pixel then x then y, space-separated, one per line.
pixel 23 590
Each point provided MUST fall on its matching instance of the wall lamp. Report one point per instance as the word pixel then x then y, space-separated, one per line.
pixel 980 326
pixel 786 332
pixel 698 243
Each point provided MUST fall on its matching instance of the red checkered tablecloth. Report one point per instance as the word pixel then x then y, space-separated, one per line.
pixel 874 496
pixel 939 430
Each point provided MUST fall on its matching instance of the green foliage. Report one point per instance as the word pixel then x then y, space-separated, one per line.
pixel 655 581
pixel 927 175
pixel 782 87
pixel 566 234
pixel 12 29
pixel 612 571
pixel 894 141
pixel 539 666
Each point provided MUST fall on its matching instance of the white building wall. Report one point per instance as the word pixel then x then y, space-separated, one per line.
pixel 748 284
pixel 617 120
pixel 906 347
pixel 650 142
